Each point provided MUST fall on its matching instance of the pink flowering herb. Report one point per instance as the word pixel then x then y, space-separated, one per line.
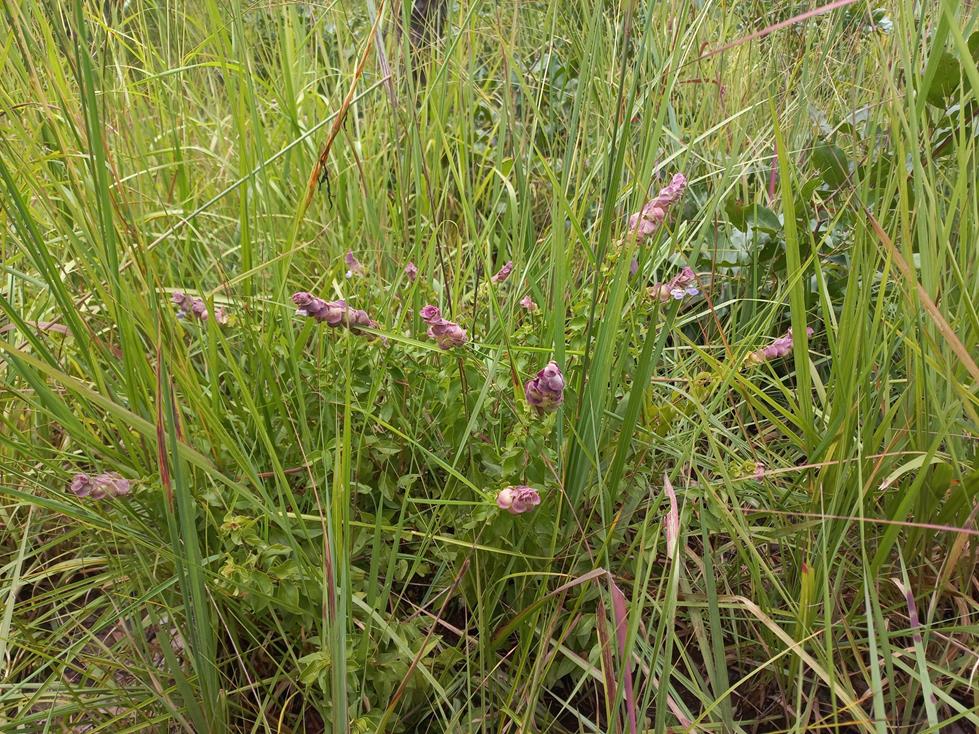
pixel 647 220
pixel 528 304
pixel 545 392
pixel 354 266
pixel 447 334
pixel 517 500
pixel 108 484
pixel 780 347
pixel 504 272
pixel 411 271
pixel 334 313
pixel 680 287
pixel 190 307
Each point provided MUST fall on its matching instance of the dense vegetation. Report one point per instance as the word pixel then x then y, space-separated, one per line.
pixel 708 469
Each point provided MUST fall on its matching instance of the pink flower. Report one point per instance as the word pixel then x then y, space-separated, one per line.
pixel 545 392
pixel 198 308
pixel 646 221
pixel 195 307
pixel 411 271
pixel 678 288
pixel 447 334
pixel 528 303
pixel 780 347
pixel 353 265
pixel 109 484
pixel 517 500
pixel 504 272
pixel 334 313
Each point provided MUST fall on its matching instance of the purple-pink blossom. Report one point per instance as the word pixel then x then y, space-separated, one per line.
pixel 681 286
pixel 780 347
pixel 528 303
pixel 545 392
pixel 188 306
pixel 647 220
pixel 411 271
pixel 517 500
pixel 447 334
pixel 334 313
pixel 107 484
pixel 354 266
pixel 430 313
pixel 503 273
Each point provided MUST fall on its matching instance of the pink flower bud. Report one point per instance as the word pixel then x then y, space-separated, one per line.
pixel 199 309
pixel 334 313
pixel 545 392
pixel 517 500
pixel 447 334
pixel 504 272
pixel 780 347
pixel 528 303
pixel 411 271
pixel 646 221
pixel 108 484
pixel 681 286
pixel 196 308
pixel 353 265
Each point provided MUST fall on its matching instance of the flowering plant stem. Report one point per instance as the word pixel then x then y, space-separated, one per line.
pixel 651 352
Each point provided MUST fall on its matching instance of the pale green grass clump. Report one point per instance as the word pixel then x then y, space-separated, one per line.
pixel 310 540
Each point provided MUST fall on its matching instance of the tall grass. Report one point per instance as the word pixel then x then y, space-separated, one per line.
pixel 312 542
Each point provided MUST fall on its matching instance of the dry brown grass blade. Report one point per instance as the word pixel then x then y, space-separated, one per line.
pixel 943 326
pixel 320 165
pixel 620 614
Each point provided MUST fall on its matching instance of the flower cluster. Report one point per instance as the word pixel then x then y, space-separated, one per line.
pixel 517 500
pixel 447 334
pixel 190 307
pixel 545 392
pixel 647 220
pixel 334 313
pixel 682 285
pixel 528 304
pixel 503 273
pixel 781 347
pixel 100 486
pixel 411 271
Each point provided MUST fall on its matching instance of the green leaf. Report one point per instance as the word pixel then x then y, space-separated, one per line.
pixel 831 162
pixel 754 216
pixel 312 666
pixel 948 75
